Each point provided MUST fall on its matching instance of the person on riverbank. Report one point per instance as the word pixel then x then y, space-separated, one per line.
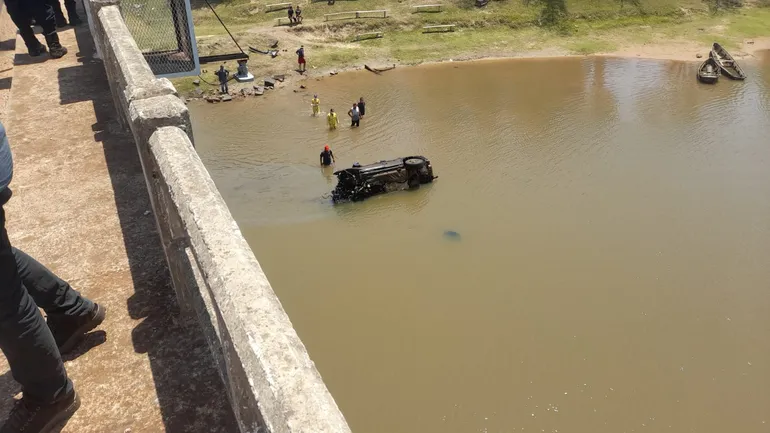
pixel 223 75
pixel 355 116
pixel 362 107
pixel 290 13
pixel 298 15
pixel 301 58
pixel 327 157
pixel 22 12
pixel 316 104
pixel 32 346
pixel 332 119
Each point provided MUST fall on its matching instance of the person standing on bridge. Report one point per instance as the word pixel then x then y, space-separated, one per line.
pixel 22 12
pixel 72 13
pixel 33 347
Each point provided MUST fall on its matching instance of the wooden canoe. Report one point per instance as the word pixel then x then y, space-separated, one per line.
pixel 257 50
pixel 708 72
pixel 727 63
pixel 378 70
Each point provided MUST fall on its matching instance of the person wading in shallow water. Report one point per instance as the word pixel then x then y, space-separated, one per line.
pixel 361 107
pixel 355 116
pixel 316 104
pixel 327 157
pixel 332 119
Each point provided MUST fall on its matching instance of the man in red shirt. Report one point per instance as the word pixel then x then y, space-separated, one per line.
pixel 301 58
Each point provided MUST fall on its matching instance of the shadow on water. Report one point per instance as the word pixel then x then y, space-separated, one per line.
pixel 190 391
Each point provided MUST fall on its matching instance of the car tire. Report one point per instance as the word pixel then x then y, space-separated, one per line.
pixel 414 163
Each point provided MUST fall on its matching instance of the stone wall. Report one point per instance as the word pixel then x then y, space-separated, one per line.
pixel 272 384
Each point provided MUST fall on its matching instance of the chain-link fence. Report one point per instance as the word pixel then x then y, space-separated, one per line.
pixel 163 31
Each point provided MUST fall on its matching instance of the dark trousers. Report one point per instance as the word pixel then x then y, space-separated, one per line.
pixel 223 87
pixel 57 10
pixel 25 338
pixel 21 11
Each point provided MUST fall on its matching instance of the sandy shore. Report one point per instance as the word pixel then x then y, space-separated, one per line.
pixel 688 51
pixel 679 51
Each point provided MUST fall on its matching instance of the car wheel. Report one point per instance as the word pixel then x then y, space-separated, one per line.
pixel 415 163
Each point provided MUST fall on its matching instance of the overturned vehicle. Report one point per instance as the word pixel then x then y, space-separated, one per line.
pixel 362 181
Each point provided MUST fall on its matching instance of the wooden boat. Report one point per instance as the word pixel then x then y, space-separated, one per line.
pixel 273 53
pixel 378 70
pixel 726 63
pixel 257 50
pixel 708 72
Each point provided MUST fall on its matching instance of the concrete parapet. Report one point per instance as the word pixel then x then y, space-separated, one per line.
pixel 272 384
pixel 124 63
pixel 266 362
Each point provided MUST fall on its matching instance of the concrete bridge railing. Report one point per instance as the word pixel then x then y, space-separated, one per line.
pixel 272 384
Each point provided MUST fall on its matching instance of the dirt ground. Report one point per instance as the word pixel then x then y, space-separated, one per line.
pixel 7 48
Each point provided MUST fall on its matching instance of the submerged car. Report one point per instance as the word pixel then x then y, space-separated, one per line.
pixel 362 181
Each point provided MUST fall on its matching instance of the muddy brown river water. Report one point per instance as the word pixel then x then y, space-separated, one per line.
pixel 611 272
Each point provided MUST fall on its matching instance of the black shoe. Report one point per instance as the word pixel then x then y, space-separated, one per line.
pixel 28 417
pixel 54 46
pixel 38 51
pixel 57 51
pixel 67 332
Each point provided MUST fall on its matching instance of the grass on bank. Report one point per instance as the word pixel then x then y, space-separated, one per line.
pixel 502 28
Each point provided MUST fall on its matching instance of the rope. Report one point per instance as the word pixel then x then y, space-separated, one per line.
pixel 225 27
pixel 232 77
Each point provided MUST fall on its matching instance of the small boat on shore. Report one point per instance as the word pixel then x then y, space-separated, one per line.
pixel 727 63
pixel 378 70
pixel 708 72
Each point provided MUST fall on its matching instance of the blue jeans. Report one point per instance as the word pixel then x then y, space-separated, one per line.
pixel 25 338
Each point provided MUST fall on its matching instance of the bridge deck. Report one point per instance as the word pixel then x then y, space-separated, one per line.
pixel 81 207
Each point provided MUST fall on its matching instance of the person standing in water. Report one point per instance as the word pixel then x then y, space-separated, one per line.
pixel 327 157
pixel 361 107
pixel 223 75
pixel 332 119
pixel 355 116
pixel 301 58
pixel 316 104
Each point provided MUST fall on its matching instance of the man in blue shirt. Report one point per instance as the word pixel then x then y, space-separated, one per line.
pixel 33 346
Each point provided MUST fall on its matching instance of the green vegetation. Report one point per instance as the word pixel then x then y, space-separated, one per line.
pixel 503 28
